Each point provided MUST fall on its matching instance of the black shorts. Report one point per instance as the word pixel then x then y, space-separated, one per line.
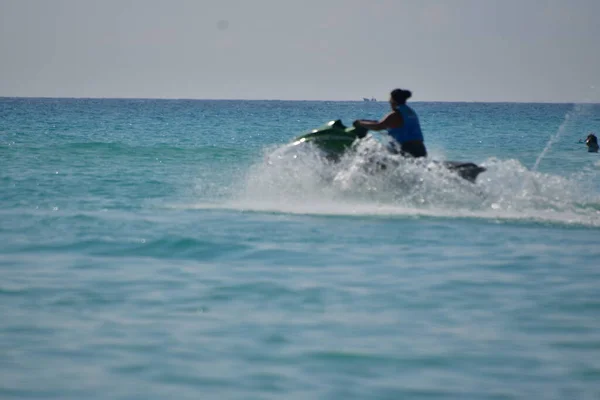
pixel 410 149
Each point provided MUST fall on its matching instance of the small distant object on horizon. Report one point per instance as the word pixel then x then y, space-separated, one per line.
pixel 371 99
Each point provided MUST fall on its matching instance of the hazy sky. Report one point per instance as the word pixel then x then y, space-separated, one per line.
pixel 463 50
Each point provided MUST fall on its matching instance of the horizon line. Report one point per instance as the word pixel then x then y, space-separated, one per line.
pixel 294 100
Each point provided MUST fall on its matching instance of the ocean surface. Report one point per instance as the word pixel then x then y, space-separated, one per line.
pixel 154 249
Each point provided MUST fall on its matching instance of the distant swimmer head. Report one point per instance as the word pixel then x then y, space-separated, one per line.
pixel 399 97
pixel 592 143
pixel 591 138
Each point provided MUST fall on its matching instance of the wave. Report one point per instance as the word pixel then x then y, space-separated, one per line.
pixel 172 247
pixel 117 149
pixel 308 184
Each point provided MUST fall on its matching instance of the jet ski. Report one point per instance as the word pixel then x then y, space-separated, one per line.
pixel 334 139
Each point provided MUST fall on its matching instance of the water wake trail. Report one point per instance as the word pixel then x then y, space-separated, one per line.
pixel 307 184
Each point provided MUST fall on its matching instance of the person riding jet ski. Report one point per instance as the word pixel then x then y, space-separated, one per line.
pixel 333 140
pixel 402 124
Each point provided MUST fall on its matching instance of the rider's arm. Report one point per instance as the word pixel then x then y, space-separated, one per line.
pixel 392 120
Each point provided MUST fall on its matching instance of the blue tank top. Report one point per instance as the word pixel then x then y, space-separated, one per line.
pixel 410 129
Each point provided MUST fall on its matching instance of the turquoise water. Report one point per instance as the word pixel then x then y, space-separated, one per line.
pixel 153 249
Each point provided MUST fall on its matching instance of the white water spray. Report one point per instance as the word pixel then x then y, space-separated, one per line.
pixel 307 184
pixel 554 138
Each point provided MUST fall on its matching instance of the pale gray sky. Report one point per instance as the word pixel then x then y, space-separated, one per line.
pixel 447 50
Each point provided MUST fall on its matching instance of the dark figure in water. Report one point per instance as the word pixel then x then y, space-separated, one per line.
pixel 592 143
pixel 402 124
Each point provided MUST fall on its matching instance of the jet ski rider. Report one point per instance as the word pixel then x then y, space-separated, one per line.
pixel 402 124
